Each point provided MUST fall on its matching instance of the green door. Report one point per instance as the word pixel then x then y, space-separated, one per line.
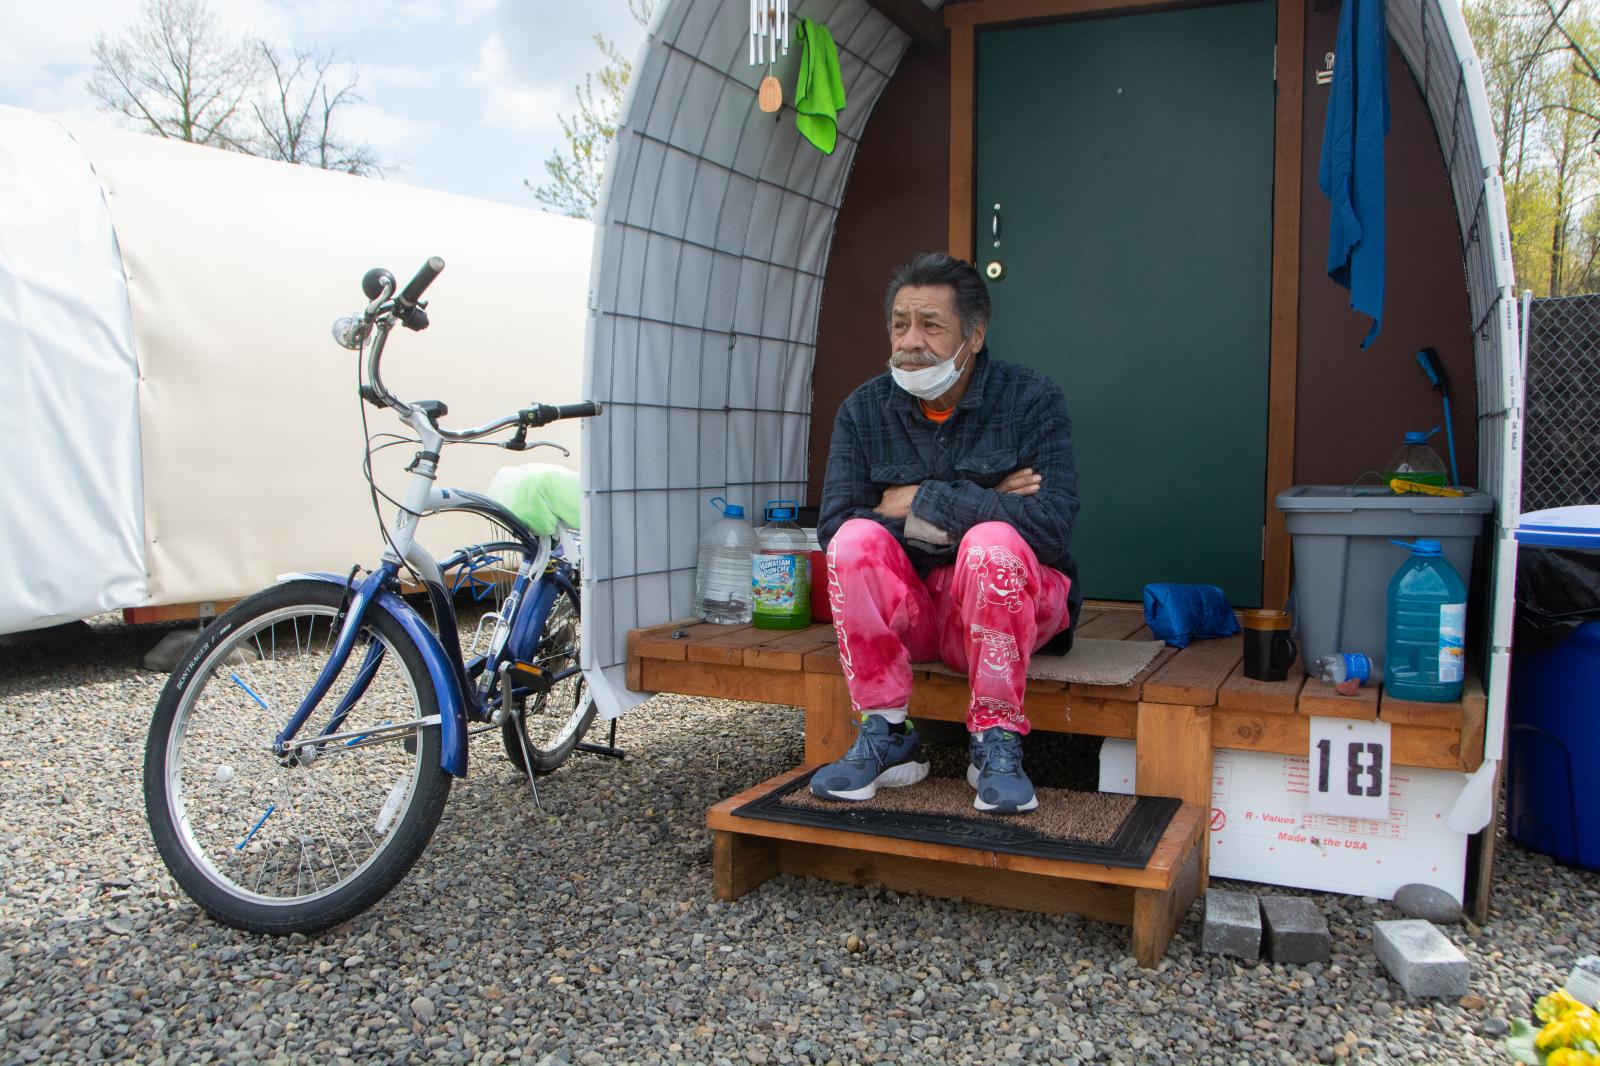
pixel 1131 161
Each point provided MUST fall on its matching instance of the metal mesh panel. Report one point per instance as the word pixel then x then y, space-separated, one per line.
pixel 714 232
pixel 1433 38
pixel 1561 443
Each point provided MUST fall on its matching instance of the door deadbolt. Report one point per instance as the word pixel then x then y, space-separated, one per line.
pixel 994 270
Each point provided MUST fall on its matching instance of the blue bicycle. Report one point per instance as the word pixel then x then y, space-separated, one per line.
pixel 300 757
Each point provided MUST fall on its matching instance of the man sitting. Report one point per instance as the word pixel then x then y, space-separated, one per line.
pixel 947 511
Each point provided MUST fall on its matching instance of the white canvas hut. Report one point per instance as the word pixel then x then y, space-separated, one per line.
pixel 182 427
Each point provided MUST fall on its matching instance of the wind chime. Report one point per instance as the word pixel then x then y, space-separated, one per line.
pixel 769 31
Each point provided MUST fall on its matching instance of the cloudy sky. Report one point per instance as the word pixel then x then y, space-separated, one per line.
pixel 460 95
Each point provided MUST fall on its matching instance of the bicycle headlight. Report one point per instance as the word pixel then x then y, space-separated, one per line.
pixel 350 331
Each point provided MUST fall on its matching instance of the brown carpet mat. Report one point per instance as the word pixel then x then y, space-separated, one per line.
pixel 1098 827
pixel 1087 817
pixel 1090 662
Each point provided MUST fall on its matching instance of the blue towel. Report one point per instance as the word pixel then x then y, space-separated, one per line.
pixel 1351 175
pixel 1178 614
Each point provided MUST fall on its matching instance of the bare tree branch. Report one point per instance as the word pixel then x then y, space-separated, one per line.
pixel 1577 49
pixel 295 112
pixel 174 74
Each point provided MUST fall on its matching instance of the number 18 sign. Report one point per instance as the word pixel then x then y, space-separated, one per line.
pixel 1349 768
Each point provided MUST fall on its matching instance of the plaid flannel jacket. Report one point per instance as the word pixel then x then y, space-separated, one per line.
pixel 1010 417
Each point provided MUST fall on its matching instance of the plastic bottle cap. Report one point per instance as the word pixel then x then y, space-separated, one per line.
pixel 728 510
pixel 1420 547
pixel 782 510
pixel 1419 437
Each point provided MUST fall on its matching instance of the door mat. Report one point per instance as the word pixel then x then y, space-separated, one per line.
pixel 1094 827
pixel 1090 662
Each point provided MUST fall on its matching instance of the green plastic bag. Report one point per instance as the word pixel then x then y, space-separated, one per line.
pixel 541 494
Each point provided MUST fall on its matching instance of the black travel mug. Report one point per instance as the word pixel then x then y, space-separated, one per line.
pixel 1269 650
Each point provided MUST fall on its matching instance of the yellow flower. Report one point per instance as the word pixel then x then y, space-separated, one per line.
pixel 1572 1057
pixel 1557 1004
pixel 1572 1029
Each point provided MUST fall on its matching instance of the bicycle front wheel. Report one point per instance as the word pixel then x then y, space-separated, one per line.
pixel 548 724
pixel 304 840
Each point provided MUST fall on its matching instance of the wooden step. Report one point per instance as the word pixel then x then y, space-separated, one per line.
pixel 1152 900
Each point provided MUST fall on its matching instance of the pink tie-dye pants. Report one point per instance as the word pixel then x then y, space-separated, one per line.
pixel 987 615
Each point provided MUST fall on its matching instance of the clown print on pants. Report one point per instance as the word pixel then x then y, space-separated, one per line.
pixel 985 615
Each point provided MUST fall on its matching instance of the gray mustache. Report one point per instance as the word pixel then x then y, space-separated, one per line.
pixel 902 360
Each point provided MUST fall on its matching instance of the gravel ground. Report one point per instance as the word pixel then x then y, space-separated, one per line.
pixel 588 934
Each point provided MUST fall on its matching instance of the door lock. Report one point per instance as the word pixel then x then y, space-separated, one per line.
pixel 994 270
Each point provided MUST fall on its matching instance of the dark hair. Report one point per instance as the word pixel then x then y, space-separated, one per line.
pixel 938 268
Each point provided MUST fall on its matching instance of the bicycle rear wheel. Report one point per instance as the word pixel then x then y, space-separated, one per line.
pixel 297 842
pixel 550 722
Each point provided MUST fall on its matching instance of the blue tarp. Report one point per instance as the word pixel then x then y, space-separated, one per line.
pixel 1351 175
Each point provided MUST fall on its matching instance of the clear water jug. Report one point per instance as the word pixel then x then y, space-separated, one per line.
pixel 1416 461
pixel 1425 640
pixel 780 571
pixel 722 577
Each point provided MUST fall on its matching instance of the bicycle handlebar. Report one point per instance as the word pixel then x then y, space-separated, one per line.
pixel 538 414
pixel 542 413
pixel 419 284
pixel 404 310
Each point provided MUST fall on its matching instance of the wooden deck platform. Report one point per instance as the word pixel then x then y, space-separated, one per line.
pixel 802 668
pixel 748 851
pixel 1183 706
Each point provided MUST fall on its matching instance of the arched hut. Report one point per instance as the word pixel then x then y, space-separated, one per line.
pixel 1145 177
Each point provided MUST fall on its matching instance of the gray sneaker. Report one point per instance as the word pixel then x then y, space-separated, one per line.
pixel 877 759
pixel 995 770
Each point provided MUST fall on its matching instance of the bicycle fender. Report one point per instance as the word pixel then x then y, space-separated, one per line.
pixel 452 705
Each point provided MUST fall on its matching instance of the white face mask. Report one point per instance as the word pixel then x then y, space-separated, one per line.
pixel 929 382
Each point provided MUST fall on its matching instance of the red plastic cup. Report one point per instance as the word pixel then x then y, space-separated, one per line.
pixel 821 608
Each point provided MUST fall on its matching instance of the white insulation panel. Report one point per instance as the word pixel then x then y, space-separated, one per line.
pixel 716 225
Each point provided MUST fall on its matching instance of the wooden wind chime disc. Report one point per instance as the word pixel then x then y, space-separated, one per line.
pixel 769 29
pixel 770 94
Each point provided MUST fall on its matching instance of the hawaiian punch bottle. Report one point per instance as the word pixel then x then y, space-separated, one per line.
pixel 780 570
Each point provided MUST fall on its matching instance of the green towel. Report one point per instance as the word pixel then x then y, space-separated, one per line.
pixel 541 494
pixel 818 91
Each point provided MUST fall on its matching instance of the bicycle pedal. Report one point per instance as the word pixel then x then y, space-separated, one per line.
pixel 527 668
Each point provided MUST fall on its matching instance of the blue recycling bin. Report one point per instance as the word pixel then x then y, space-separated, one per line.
pixel 1552 801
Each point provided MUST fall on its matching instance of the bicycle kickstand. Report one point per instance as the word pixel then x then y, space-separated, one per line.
pixel 522 738
pixel 527 767
pixel 609 749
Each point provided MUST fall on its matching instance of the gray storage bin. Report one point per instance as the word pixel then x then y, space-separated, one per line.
pixel 1343 559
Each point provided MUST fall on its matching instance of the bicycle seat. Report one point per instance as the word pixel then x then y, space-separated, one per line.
pixel 434 409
